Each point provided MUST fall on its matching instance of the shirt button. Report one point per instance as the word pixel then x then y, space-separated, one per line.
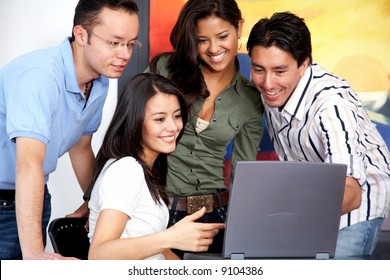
pixel 80 100
pixel 219 98
pixel 192 170
pixel 197 188
pixel 214 120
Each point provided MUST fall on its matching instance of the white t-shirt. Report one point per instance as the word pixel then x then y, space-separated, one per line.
pixel 121 186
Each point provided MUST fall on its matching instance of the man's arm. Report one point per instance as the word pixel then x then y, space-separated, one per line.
pixel 83 160
pixel 352 195
pixel 30 155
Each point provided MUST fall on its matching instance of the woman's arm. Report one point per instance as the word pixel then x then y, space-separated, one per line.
pixel 185 235
pixel 169 255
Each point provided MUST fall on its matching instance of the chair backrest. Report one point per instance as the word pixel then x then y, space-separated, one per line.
pixel 69 237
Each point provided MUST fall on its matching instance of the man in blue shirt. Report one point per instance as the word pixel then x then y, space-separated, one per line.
pixel 51 102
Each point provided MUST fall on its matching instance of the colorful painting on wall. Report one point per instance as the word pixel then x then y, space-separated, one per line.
pixel 350 38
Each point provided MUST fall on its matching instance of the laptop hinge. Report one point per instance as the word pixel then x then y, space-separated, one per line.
pixel 322 256
pixel 237 256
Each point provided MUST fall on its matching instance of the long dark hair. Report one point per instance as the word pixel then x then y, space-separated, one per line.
pixel 87 11
pixel 285 31
pixel 183 65
pixel 124 134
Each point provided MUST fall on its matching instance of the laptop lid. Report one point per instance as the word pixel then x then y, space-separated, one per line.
pixel 284 209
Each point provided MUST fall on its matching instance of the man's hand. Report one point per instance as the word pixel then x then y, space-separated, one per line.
pixel 352 195
pixel 48 256
pixel 82 211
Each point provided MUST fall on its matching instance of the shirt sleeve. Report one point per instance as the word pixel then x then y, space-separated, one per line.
pixel 161 67
pixel 31 102
pixel 122 185
pixel 342 135
pixel 247 141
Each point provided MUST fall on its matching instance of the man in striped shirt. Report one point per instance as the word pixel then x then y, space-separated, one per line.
pixel 313 115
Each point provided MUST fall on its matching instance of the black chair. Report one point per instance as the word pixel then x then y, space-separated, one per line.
pixel 69 237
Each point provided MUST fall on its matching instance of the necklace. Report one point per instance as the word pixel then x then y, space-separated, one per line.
pixel 87 89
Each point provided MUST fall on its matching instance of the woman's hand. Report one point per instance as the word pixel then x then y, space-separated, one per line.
pixel 188 235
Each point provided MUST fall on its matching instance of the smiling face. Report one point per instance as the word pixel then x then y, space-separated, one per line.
pixel 276 74
pixel 218 42
pixel 115 26
pixel 162 125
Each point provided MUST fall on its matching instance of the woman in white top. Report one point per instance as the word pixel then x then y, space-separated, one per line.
pixel 128 204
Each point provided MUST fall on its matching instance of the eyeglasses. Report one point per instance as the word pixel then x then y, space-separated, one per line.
pixel 116 46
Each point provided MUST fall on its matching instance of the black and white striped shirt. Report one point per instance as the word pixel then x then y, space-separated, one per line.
pixel 324 121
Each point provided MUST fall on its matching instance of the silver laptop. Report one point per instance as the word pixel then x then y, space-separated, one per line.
pixel 282 209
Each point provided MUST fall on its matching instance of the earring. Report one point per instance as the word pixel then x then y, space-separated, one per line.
pixel 240 43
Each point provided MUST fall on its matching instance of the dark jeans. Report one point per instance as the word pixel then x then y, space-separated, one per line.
pixel 9 240
pixel 217 216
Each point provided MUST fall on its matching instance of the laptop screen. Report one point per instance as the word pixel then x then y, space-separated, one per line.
pixel 280 209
